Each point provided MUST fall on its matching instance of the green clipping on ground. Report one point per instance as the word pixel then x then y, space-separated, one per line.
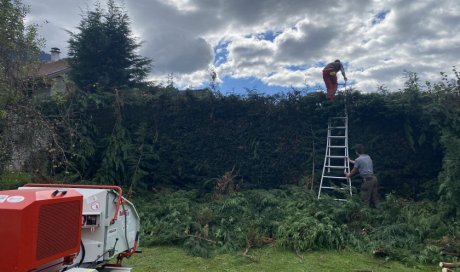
pixel 167 258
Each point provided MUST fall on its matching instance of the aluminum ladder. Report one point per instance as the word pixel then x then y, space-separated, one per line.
pixel 336 159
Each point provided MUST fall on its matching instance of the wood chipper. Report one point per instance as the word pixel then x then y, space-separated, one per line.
pixel 64 227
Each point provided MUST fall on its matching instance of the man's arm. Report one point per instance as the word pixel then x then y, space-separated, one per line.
pixel 343 72
pixel 353 171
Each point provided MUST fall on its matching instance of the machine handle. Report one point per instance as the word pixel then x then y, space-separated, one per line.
pixel 57 192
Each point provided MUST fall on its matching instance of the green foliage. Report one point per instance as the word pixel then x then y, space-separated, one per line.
pixel 112 168
pixel 23 128
pixel 167 217
pixel 19 45
pixel 407 231
pixel 292 218
pixel 73 117
pixel 196 136
pixel 19 48
pixel 157 136
pixel 303 232
pixel 13 180
pixel 144 155
pixel 21 125
pixel 449 189
pixel 103 54
pixel 449 100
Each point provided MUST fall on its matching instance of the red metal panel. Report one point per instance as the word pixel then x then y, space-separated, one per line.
pixel 37 227
pixel 58 228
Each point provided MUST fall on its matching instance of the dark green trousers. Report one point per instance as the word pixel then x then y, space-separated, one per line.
pixel 370 191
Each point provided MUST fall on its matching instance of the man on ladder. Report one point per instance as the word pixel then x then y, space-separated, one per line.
pixel 336 157
pixel 330 77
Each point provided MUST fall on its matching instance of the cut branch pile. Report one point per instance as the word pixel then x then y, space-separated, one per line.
pixel 446 266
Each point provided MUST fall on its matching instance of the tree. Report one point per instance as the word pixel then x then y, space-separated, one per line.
pixel 19 49
pixel 25 134
pixel 19 46
pixel 103 54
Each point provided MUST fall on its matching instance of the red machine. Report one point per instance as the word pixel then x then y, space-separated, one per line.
pixel 66 227
pixel 40 229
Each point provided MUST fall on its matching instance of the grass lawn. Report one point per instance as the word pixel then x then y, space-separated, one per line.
pixel 268 259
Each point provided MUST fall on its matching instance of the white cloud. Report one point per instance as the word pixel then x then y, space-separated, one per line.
pixel 55 18
pixel 286 78
pixel 248 57
pixel 419 36
pixel 182 5
pixel 177 51
pixel 305 42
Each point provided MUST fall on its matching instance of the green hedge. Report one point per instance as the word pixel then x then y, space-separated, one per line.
pixel 161 136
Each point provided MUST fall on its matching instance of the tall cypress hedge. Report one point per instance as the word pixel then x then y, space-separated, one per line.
pixel 165 137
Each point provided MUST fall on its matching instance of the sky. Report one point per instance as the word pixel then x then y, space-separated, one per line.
pixel 272 46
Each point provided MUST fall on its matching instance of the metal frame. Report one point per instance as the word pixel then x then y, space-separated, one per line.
pixel 327 166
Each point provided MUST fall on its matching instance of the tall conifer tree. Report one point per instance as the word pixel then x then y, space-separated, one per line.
pixel 103 53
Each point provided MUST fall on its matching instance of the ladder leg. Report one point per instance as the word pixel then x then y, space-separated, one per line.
pixel 339 143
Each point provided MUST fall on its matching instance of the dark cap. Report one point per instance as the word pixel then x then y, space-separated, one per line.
pixel 336 60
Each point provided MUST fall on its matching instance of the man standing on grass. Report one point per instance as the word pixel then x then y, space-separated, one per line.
pixel 330 77
pixel 370 186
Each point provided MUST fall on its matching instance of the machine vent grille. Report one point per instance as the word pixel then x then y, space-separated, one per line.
pixel 58 228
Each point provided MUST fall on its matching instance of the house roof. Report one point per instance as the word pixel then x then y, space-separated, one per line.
pixel 53 69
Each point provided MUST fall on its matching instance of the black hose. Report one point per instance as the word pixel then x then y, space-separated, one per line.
pixel 83 252
pixel 126 225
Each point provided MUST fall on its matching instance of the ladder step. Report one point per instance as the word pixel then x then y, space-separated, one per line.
pixel 334 188
pixel 337 146
pixel 338 137
pixel 337 127
pixel 336 167
pixel 337 157
pixel 333 177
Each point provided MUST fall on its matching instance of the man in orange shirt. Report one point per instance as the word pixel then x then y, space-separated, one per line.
pixel 330 77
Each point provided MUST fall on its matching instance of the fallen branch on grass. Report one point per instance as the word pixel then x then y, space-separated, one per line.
pixel 245 254
pixel 298 255
pixel 448 265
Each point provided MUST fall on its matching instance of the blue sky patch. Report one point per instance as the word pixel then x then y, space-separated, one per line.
pixel 268 36
pixel 379 17
pixel 221 53
pixel 296 67
pixel 240 86
pixel 321 64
